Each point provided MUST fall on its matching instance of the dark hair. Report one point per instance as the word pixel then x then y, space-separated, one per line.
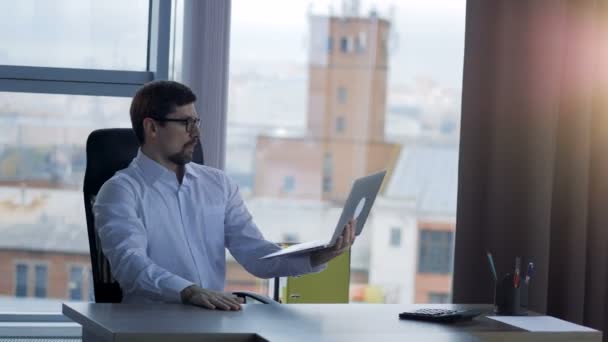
pixel 157 99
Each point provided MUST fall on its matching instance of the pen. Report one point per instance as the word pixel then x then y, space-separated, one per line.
pixel 529 272
pixel 492 267
pixel 516 274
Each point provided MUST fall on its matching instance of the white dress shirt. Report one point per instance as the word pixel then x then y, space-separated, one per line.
pixel 161 236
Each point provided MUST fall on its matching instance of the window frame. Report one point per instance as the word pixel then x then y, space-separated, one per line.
pixel 327 183
pixel 394 239
pixel 342 95
pixel 16 265
pixel 425 259
pixel 99 82
pixel 340 124
pixel 83 268
pixel 46 267
pixel 89 82
pixel 289 184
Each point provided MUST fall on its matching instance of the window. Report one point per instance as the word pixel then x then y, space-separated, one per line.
pixel 21 280
pixel 42 164
pixel 44 145
pixel 76 283
pixel 43 34
pixel 58 84
pixel 326 102
pixel 289 183
pixel 340 124
pixel 344 44
pixel 41 275
pixel 439 298
pixel 395 239
pixel 327 173
pixel 361 42
pixel 435 254
pixel 91 286
pixel 342 94
pixel 290 238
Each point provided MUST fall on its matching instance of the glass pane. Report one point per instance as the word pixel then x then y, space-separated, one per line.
pixel 344 89
pixel 75 285
pixel 110 34
pixel 42 163
pixel 395 237
pixel 41 281
pixel 91 287
pixel 435 252
pixel 21 280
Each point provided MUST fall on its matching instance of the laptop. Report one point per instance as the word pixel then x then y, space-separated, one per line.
pixel 358 205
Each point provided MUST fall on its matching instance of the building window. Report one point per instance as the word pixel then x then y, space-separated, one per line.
pixel 290 237
pixel 435 252
pixel 361 42
pixel 75 284
pixel 342 95
pixel 395 237
pixel 289 183
pixel 438 298
pixel 330 44
pixel 327 184
pixel 344 44
pixel 91 286
pixel 327 172
pixel 340 124
pixel 21 280
pixel 41 280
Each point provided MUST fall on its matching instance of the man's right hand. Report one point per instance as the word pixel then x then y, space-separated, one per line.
pixel 196 295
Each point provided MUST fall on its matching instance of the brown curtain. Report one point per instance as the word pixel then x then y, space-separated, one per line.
pixel 533 170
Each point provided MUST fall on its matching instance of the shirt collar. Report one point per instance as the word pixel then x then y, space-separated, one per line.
pixel 189 170
pixel 153 171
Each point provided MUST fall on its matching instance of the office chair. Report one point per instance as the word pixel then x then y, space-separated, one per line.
pixel 108 151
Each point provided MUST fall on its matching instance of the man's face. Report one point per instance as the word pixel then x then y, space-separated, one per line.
pixel 173 140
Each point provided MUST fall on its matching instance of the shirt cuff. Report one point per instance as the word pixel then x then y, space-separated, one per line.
pixel 172 288
pixel 316 269
pixel 302 265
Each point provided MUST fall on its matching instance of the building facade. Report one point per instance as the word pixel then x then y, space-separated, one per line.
pixel 346 108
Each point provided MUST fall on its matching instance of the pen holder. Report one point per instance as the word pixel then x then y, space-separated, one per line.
pixel 510 300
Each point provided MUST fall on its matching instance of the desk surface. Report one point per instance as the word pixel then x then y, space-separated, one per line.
pixel 293 322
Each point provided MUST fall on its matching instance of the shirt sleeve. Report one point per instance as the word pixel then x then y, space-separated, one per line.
pixel 123 239
pixel 247 244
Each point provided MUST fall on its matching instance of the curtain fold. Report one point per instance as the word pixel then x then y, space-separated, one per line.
pixel 205 60
pixel 534 136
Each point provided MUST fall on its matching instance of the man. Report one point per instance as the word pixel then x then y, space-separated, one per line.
pixel 164 223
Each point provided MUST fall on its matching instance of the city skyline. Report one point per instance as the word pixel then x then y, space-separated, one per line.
pixel 268 92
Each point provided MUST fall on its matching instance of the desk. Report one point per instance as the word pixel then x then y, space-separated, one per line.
pixel 292 322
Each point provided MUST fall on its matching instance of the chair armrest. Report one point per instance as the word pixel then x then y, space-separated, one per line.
pixel 253 295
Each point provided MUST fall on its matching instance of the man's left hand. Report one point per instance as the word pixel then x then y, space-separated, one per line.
pixel 344 242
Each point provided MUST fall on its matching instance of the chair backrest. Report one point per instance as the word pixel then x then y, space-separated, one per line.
pixel 108 151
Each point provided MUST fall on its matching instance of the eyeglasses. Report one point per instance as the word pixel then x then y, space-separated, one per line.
pixel 190 123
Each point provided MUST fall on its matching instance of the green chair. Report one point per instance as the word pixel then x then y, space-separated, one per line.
pixel 329 286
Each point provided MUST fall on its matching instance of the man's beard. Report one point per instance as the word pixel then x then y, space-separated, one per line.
pixel 183 157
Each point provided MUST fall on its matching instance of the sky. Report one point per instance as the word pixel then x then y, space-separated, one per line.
pixel 108 34
pixel 427 35
pixel 427 40
pixel 269 44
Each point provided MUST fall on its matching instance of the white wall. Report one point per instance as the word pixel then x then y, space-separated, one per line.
pixel 393 268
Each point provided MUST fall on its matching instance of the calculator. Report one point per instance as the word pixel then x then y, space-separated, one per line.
pixel 440 315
